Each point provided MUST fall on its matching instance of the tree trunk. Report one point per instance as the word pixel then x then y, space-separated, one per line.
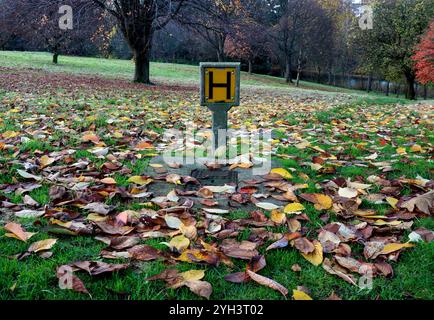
pixel 250 67
pixel 297 83
pixel 221 48
pixel 387 88
pixel 55 57
pixel 411 92
pixel 142 66
pixel 425 92
pixel 299 62
pixel 288 75
pixel 369 89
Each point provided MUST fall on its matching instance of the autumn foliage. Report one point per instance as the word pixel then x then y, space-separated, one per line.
pixel 424 57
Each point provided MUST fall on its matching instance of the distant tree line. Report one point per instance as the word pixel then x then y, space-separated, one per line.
pixel 288 38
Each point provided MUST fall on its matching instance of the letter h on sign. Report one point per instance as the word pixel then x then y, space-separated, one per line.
pixel 226 85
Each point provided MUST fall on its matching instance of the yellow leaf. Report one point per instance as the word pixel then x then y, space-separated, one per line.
pixel 140 180
pixel 300 295
pixel 180 243
pixel 156 165
pixel 293 207
pixel 278 217
pixel 401 151
pixel 381 222
pixel 282 172
pixel 61 223
pixel 324 202
pixel 42 245
pixel 392 247
pixel 193 275
pixel 315 257
pixel 416 148
pixel 9 134
pixel 46 161
pixel 96 217
pixel 392 202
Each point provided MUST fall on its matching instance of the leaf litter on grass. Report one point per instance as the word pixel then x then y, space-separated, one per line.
pixel 88 170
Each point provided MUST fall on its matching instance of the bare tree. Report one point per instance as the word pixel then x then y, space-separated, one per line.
pixel 37 22
pixel 213 20
pixel 248 37
pixel 138 20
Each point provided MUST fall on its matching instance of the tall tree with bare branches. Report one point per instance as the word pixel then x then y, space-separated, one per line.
pixel 138 20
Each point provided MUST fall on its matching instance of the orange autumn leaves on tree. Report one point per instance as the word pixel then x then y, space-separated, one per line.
pixel 424 57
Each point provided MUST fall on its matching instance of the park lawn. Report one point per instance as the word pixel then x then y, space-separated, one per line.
pixel 149 110
pixel 162 72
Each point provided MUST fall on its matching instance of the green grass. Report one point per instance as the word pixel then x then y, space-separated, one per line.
pixel 164 72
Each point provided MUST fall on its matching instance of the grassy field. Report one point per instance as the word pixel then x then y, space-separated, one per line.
pixel 161 72
pixel 345 123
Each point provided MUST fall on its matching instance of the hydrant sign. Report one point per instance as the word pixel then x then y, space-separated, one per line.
pixel 220 85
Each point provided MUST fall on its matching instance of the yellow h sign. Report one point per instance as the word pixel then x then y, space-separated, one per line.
pixel 220 84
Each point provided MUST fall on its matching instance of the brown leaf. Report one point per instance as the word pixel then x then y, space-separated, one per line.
pixel 304 245
pixel 338 271
pixel 17 231
pixel 242 250
pixel 95 268
pixel 425 203
pixel 113 230
pixel 144 253
pixel 201 288
pixel 67 280
pixel 267 282
pixel 237 277
pixel 121 243
pixel 258 216
pixel 42 245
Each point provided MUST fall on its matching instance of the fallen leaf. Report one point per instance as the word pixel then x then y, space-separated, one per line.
pixel 321 201
pixel 293 207
pixel 304 245
pixel 282 172
pixel 109 181
pixel 278 217
pixel 392 247
pixel 201 288
pixel 69 281
pixel 29 214
pixel 315 257
pixel 16 231
pixel 267 282
pixel 42 245
pixel 300 295
pixel 347 193
pixel 139 180
pixel 424 203
pixel 267 206
pixel 45 161
pixel 178 243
